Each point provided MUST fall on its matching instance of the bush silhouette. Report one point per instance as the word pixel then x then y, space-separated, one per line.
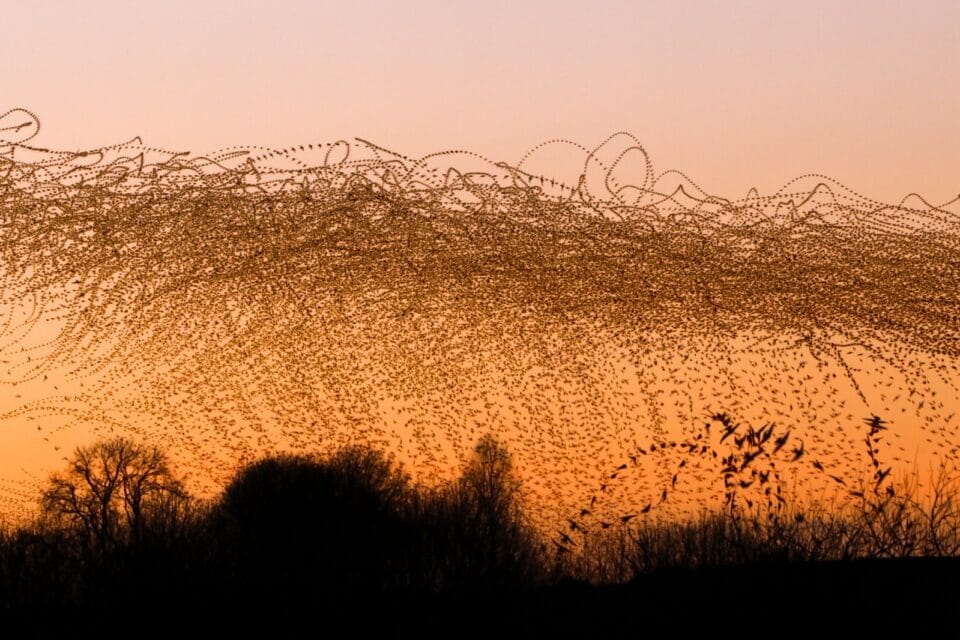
pixel 296 526
pixel 302 527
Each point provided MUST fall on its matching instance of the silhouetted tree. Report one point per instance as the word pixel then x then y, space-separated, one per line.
pixel 110 490
pixel 499 545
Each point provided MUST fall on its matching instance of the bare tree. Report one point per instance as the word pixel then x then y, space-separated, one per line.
pixel 109 491
pixel 491 506
pixel 490 482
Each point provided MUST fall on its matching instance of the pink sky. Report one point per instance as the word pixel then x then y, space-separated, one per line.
pixel 736 94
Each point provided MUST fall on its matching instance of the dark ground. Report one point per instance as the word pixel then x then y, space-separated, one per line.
pixel 765 599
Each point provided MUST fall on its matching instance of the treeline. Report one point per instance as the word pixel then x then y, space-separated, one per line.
pixel 292 537
pixel 119 533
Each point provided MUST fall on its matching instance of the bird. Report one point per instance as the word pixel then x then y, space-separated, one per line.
pixel 780 442
pixel 798 452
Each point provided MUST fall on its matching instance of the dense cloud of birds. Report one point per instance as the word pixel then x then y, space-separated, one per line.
pixel 257 299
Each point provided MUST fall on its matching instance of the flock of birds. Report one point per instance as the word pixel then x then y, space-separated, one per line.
pixel 752 465
pixel 255 300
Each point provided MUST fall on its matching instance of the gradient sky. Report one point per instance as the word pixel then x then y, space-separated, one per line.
pixel 737 94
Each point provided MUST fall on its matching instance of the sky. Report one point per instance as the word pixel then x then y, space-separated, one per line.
pixel 735 94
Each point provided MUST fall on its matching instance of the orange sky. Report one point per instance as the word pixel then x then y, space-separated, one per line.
pixel 736 94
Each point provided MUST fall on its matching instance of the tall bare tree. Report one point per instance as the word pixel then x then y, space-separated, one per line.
pixel 110 490
pixel 489 500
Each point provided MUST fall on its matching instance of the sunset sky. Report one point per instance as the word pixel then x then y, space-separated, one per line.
pixel 736 94
pixel 307 305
